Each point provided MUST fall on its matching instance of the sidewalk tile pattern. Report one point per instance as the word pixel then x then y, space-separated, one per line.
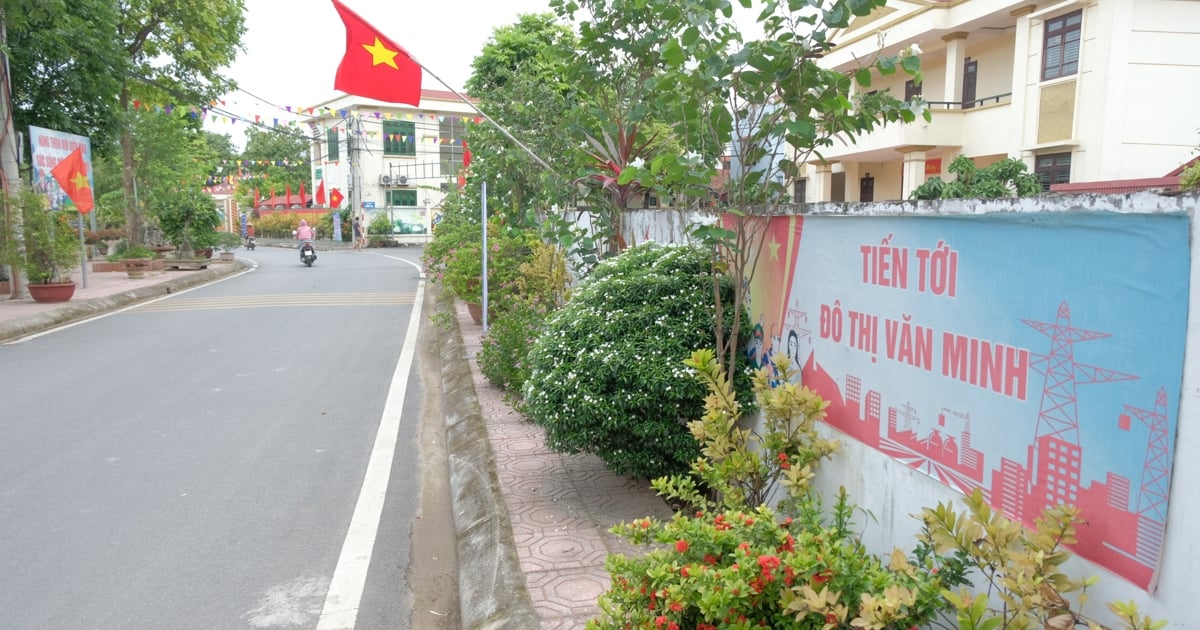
pixel 561 506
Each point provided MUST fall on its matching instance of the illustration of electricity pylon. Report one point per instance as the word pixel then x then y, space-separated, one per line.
pixel 1058 416
pixel 1156 472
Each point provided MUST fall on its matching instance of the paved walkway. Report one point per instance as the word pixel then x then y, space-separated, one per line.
pixel 560 506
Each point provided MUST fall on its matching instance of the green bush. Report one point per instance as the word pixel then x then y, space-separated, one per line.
pixel 606 375
pixel 504 359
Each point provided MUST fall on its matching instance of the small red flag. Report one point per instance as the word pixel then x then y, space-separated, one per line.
pixel 462 174
pixel 375 66
pixel 255 197
pixel 71 174
pixel 288 199
pixel 321 193
pixel 335 198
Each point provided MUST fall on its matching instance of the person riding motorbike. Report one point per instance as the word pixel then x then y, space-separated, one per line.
pixel 304 234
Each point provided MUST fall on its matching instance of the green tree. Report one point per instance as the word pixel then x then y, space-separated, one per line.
pixel 175 51
pixel 275 158
pixel 66 66
pixel 176 158
pixel 521 78
pixel 1006 178
pixel 693 67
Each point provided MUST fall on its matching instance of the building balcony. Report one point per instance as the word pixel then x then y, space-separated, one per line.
pixel 980 127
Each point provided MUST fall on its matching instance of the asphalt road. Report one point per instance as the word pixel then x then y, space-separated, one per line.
pixel 199 461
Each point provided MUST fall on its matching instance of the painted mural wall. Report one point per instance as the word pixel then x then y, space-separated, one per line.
pixel 1033 358
pixel 1034 349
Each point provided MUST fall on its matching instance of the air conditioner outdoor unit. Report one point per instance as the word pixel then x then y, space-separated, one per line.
pixel 385 180
pixel 402 180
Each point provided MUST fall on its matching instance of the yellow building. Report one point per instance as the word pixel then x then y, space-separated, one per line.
pixel 1081 91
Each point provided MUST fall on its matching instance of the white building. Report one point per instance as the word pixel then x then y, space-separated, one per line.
pixel 1082 91
pixel 391 158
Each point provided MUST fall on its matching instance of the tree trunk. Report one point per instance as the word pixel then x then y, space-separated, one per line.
pixel 134 234
pixel 10 171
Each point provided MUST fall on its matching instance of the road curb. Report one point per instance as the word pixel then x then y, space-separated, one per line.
pixel 82 309
pixel 491 586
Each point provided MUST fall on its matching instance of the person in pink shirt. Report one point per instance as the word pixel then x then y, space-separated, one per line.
pixel 304 234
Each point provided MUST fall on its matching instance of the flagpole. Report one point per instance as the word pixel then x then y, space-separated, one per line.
pixel 485 116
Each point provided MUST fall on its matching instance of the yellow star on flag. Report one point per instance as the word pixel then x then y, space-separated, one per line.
pixel 80 180
pixel 774 246
pixel 380 54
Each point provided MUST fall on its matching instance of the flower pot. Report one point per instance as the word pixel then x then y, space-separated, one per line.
pixel 227 256
pixel 54 292
pixel 137 267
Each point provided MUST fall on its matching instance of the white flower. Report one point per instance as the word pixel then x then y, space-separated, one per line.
pixel 637 162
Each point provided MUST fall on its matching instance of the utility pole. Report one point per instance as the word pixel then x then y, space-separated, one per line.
pixel 353 129
pixel 10 171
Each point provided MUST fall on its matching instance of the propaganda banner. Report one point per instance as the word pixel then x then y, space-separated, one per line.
pixel 49 147
pixel 1036 357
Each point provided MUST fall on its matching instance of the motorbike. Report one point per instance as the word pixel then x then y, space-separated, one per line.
pixel 250 243
pixel 308 253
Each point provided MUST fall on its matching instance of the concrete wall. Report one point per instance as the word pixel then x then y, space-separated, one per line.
pixel 892 491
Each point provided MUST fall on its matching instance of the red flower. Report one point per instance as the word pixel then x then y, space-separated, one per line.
pixel 789 544
pixel 822 577
pixel 831 618
pixel 681 546
pixel 676 606
pixel 768 563
pixel 710 559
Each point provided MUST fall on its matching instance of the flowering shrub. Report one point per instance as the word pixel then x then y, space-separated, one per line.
pixel 741 468
pixel 606 375
pixel 744 569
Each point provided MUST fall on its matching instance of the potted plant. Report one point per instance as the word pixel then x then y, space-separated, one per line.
pixel 50 249
pixel 188 219
pixel 227 241
pixel 137 260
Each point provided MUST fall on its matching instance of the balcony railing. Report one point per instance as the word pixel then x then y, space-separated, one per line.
pixel 979 102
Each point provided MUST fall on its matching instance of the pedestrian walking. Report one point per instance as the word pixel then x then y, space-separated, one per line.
pixel 359 239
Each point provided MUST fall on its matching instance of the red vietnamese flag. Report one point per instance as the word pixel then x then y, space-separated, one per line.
pixel 375 66
pixel 321 193
pixel 71 174
pixel 335 198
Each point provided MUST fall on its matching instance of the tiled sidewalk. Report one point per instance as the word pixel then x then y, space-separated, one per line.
pixel 560 506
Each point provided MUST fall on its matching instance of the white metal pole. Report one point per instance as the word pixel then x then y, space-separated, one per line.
pixel 483 196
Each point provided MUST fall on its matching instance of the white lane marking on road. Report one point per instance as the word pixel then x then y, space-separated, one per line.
pixel 350 575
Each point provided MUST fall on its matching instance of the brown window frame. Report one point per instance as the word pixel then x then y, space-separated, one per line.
pixel 911 89
pixel 1057 36
pixel 1050 171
